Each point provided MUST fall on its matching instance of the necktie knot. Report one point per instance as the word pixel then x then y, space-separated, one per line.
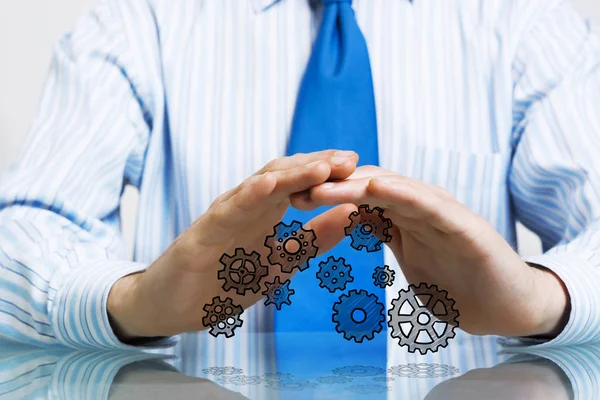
pixel 328 2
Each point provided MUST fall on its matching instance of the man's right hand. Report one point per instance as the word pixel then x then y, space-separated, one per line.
pixel 168 298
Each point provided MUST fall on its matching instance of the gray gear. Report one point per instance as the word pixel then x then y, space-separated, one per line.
pixel 219 371
pixel 334 379
pixel 242 271
pixel 291 246
pixel 359 371
pixel 240 380
pixel 223 316
pixel 368 389
pixel 383 276
pixel 295 386
pixel 276 377
pixel 423 370
pixel 334 274
pixel 383 379
pixel 368 228
pixel 423 319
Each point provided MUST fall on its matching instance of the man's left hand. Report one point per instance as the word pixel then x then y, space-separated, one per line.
pixel 436 239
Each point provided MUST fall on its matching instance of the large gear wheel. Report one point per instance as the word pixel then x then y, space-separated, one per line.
pixel 423 370
pixel 334 274
pixel 278 293
pixel 358 315
pixel 368 228
pixel 223 316
pixel 359 371
pixel 242 271
pixel 425 319
pixel 383 276
pixel 291 246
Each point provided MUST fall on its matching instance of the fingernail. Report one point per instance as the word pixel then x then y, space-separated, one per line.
pixel 344 153
pixel 339 160
pixel 313 164
pixel 327 185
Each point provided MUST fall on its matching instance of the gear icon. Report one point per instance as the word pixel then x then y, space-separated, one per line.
pixel 276 377
pixel 240 380
pixel 383 379
pixel 424 318
pixel 368 228
pixel 278 293
pixel 220 371
pixel 334 379
pixel 383 276
pixel 291 385
pixel 359 315
pixel 242 271
pixel 359 371
pixel 368 389
pixel 423 370
pixel 291 246
pixel 223 316
pixel 334 274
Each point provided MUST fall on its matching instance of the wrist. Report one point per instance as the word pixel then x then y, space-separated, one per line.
pixel 555 301
pixel 123 312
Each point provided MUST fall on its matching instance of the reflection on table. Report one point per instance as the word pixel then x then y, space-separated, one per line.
pixel 313 372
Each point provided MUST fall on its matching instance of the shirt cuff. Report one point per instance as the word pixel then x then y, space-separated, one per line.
pixel 78 306
pixel 581 278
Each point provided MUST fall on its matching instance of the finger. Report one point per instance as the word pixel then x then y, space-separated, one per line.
pixel 329 226
pixel 342 163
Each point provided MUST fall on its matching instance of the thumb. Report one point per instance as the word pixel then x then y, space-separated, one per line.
pixel 329 226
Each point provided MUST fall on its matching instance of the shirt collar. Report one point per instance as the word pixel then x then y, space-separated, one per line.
pixel 264 5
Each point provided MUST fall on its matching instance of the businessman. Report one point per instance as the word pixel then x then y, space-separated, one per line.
pixel 456 118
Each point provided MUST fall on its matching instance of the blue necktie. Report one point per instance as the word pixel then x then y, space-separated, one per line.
pixel 335 109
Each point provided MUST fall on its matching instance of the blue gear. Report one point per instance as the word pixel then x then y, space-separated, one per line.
pixel 359 371
pixel 358 315
pixel 368 229
pixel 278 293
pixel 383 276
pixel 334 274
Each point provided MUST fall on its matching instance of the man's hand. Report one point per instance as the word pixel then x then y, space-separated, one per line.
pixel 438 240
pixel 168 298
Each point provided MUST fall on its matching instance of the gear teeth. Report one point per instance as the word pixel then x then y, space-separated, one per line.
pixel 280 256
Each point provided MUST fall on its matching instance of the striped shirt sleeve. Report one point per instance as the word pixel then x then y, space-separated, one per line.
pixel 60 244
pixel 555 174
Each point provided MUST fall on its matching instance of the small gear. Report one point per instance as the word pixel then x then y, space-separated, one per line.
pixel 358 315
pixel 242 271
pixel 423 370
pixel 334 379
pixel 276 377
pixel 291 385
pixel 291 246
pixel 223 316
pixel 384 379
pixel 278 293
pixel 368 389
pixel 383 276
pixel 368 228
pixel 424 318
pixel 359 371
pixel 219 371
pixel 240 380
pixel 334 274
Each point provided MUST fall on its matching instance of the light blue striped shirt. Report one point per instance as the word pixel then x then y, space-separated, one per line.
pixel 498 101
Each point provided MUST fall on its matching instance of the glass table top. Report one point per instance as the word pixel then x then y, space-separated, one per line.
pixel 301 366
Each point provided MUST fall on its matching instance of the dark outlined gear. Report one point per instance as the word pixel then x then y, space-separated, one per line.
pixel 368 228
pixel 242 271
pixel 383 276
pixel 359 371
pixel 276 377
pixel 218 371
pixel 334 274
pixel 240 380
pixel 423 370
pixel 291 246
pixel 223 316
pixel 358 315
pixel 278 293
pixel 437 311
pixel 384 379
pixel 334 379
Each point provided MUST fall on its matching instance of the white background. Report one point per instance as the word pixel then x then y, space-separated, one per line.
pixel 28 31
